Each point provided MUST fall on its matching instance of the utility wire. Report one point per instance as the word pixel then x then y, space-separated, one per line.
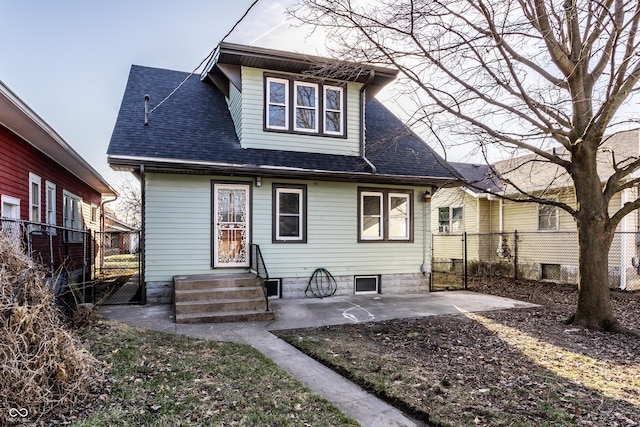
pixel 207 58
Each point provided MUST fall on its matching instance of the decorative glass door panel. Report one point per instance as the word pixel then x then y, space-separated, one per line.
pixel 231 225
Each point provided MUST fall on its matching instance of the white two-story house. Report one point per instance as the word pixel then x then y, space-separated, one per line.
pixel 264 150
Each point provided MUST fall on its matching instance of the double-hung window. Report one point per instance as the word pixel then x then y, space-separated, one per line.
pixel 50 205
pixel 306 107
pixel 72 216
pixel 289 213
pixel 385 215
pixel 277 116
pixel 333 111
pixel 547 217
pixel 450 219
pixel 399 216
pixel 300 106
pixel 372 215
pixel 35 203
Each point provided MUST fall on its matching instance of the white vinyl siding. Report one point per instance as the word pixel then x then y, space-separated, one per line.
pixel 253 125
pixel 332 236
pixel 178 230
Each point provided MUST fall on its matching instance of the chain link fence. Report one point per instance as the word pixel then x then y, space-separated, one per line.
pixel 81 266
pixel 540 256
pixel 66 255
pixel 118 268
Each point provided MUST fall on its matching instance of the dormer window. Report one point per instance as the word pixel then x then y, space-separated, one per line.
pixel 300 106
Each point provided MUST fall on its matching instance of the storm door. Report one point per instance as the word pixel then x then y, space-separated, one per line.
pixel 230 225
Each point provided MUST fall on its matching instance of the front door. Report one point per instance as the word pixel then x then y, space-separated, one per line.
pixel 230 225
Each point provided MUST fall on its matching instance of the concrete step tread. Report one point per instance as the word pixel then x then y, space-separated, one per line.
pixel 228 316
pixel 218 290
pixel 218 301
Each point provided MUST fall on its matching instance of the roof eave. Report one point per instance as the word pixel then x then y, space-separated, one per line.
pixel 133 163
pixel 277 60
pixel 20 119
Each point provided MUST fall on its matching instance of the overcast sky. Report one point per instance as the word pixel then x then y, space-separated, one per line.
pixel 69 59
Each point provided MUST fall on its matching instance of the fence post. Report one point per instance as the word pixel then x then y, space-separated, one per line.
pixel 464 256
pixel 515 255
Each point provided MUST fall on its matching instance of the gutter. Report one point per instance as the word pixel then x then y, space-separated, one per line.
pixel 205 167
pixel 363 152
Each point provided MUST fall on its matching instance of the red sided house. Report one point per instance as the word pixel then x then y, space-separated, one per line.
pixel 51 198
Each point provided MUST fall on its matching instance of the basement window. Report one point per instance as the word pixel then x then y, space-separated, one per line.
pixel 550 271
pixel 367 284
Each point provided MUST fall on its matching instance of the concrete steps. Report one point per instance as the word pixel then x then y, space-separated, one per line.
pixel 216 298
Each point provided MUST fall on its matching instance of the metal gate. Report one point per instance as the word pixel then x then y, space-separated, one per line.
pixel 117 268
pixel 449 262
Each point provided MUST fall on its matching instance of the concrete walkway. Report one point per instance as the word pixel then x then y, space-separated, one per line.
pixel 302 313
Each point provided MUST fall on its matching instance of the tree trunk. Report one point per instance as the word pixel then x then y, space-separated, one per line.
pixel 594 309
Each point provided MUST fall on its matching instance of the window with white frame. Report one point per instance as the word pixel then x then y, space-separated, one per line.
pixel 371 215
pixel 385 215
pixel 450 219
pixel 277 116
pixel 289 215
pixel 301 106
pixel 50 203
pixel 306 107
pixel 399 216
pixel 10 207
pixel 72 215
pixel 547 217
pixel 35 198
pixel 333 111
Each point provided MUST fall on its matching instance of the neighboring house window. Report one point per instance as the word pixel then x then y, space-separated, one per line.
pixel 35 203
pixel 450 219
pixel 277 104
pixel 289 213
pixel 94 213
pixel 547 217
pixel 10 207
pixel 385 215
pixel 50 203
pixel 304 107
pixel 10 210
pixel 72 215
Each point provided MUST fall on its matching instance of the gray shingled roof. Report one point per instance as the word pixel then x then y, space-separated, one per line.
pixel 479 177
pixel 193 130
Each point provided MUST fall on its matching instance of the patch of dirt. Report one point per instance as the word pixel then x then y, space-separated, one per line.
pixel 513 367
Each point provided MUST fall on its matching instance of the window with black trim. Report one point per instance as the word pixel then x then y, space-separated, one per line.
pixel 289 213
pixel 385 215
pixel 301 106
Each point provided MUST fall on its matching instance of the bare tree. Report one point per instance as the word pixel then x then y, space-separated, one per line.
pixel 128 207
pixel 518 75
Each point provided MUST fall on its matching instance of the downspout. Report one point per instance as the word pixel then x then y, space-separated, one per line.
pixel 102 215
pixel 143 282
pixel 363 151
